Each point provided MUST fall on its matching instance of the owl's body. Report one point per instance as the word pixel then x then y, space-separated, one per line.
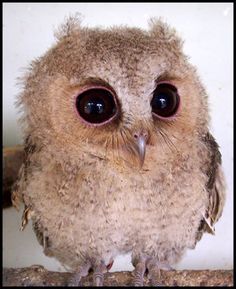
pixel 91 201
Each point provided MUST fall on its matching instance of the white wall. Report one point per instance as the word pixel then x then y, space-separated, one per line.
pixel 208 33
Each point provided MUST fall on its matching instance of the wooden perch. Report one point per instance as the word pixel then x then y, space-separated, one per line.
pixel 13 158
pixel 38 276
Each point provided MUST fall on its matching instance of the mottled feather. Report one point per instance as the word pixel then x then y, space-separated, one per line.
pixel 90 197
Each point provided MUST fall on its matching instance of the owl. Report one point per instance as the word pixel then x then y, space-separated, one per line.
pixel 119 156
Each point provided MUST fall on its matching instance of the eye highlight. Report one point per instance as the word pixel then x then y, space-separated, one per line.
pixel 165 102
pixel 96 105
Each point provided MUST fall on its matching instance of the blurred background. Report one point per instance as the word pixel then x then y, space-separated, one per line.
pixel 208 32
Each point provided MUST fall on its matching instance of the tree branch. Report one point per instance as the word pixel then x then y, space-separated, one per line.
pixel 38 276
pixel 13 158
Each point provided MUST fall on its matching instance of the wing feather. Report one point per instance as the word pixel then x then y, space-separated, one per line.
pixel 215 187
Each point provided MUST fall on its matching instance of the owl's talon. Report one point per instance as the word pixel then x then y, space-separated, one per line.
pixel 76 278
pixel 74 281
pixel 154 271
pixel 154 276
pixel 98 275
pixel 98 279
pixel 139 272
pixel 153 267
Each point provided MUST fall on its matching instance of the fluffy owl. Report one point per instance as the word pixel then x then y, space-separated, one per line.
pixel 119 157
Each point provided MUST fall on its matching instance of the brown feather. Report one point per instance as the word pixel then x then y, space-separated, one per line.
pixel 215 187
pixel 90 198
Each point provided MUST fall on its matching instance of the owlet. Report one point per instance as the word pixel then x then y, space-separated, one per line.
pixel 119 157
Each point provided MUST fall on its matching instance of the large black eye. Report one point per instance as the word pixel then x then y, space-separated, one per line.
pixel 165 101
pixel 96 105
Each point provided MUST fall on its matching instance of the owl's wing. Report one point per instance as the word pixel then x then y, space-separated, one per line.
pixel 23 174
pixel 17 195
pixel 215 187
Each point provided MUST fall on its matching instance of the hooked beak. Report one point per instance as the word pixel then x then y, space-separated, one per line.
pixel 141 141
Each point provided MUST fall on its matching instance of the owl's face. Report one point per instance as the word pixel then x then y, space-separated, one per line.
pixel 117 92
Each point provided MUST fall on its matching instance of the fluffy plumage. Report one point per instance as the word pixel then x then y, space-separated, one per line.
pixel 90 199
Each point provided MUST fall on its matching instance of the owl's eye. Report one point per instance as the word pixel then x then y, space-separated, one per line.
pixel 96 105
pixel 165 101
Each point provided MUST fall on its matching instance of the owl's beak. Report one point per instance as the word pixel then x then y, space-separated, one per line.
pixel 141 141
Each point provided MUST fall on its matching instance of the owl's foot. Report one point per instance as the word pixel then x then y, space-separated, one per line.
pixel 139 272
pixel 98 273
pixel 82 272
pixel 153 267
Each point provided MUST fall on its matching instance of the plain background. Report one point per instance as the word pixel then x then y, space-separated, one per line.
pixel 208 33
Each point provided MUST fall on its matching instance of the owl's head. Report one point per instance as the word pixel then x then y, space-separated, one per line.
pixel 115 93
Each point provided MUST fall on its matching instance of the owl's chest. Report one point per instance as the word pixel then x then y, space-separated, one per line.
pixel 103 208
pixel 133 201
